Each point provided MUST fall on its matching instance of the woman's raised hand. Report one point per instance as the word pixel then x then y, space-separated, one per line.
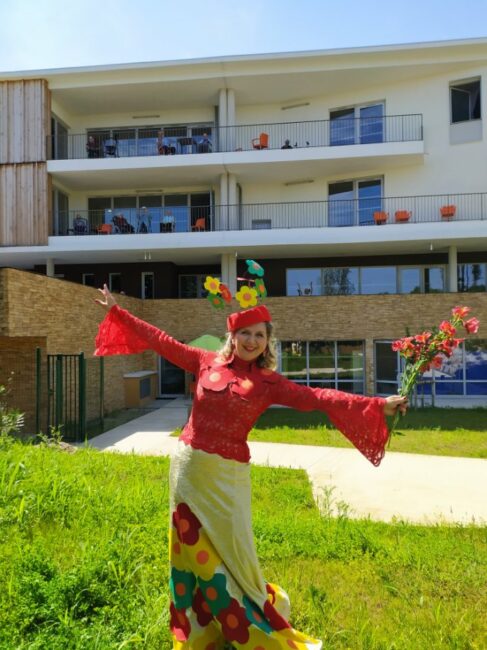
pixel 108 299
pixel 395 403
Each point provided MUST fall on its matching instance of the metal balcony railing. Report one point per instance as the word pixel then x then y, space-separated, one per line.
pixel 191 139
pixel 380 211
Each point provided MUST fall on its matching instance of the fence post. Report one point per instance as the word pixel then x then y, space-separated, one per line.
pixel 38 390
pixel 82 396
pixel 58 396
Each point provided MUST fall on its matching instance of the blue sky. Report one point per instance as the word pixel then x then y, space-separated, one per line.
pixel 38 34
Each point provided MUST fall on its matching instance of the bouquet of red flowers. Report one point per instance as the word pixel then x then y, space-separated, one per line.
pixel 426 350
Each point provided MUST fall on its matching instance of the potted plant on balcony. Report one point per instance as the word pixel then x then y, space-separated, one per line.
pixel 448 211
pixel 402 216
pixel 380 217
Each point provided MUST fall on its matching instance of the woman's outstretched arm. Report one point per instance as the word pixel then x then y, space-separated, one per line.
pixel 361 419
pixel 123 333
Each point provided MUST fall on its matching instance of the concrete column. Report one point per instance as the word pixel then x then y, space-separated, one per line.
pixel 231 119
pixel 232 273
pixel 223 209
pixel 452 270
pixel 224 268
pixel 232 203
pixel 222 120
pixel 50 267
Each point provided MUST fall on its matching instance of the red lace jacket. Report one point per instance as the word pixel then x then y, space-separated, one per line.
pixel 231 394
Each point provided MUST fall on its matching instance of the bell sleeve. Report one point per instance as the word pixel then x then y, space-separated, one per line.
pixel 122 333
pixel 360 419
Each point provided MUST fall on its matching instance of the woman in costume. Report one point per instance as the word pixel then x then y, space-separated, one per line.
pixel 218 593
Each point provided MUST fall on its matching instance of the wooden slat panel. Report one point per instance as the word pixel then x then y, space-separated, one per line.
pixel 25 121
pixel 24 205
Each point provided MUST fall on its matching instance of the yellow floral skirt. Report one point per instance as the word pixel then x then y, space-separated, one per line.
pixel 218 593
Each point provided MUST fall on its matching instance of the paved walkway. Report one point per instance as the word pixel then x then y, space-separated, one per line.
pixel 417 488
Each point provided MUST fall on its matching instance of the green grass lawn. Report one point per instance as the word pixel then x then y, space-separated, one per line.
pixel 83 561
pixel 443 432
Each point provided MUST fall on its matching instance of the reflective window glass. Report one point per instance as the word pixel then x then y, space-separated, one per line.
pixel 369 200
pixel 409 280
pixel 321 361
pixel 471 277
pixel 342 127
pixel 378 280
pixel 372 124
pixel 434 279
pixel 303 282
pixel 293 360
pixel 340 281
pixel 341 204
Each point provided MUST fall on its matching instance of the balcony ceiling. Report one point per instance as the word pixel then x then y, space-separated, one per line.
pixel 281 87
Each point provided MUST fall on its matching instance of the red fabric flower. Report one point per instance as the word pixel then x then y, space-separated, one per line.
pixel 277 621
pixel 235 625
pixel 186 524
pixel 472 325
pixel 179 625
pixel 201 609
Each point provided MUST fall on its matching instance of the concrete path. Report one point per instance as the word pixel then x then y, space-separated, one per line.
pixel 412 487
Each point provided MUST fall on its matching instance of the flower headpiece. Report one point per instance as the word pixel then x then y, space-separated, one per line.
pixel 247 295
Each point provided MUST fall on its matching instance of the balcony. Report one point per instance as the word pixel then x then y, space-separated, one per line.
pixel 192 139
pixel 399 211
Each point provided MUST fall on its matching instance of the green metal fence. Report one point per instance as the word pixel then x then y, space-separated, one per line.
pixel 74 393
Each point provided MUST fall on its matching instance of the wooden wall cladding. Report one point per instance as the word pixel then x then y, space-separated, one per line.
pixel 25 121
pixel 24 204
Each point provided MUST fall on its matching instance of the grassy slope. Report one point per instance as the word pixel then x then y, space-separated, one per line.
pixel 83 561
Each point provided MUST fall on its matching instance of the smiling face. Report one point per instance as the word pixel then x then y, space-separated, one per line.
pixel 250 342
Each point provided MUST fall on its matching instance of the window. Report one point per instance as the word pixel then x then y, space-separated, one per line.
pixel 387 368
pixel 303 282
pixel 378 280
pixel 192 286
pixel 115 282
pixel 434 279
pixel 340 281
pixel 354 202
pixel 465 101
pixel 409 280
pixel 88 279
pixel 147 291
pixel 471 277
pixel 357 125
pixel 324 364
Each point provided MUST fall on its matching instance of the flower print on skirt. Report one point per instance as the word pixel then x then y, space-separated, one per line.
pixel 217 590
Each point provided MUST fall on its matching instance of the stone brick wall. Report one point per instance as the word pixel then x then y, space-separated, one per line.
pixel 65 316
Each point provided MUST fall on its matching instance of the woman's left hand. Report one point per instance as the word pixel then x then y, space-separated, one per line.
pixel 395 403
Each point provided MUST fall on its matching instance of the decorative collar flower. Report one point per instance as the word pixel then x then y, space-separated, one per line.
pixel 246 296
pixel 212 284
pixel 254 268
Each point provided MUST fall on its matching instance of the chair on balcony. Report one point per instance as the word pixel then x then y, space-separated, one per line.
pixel 199 225
pixel 262 142
pixel 448 212
pixel 105 229
pixel 402 216
pixel 380 217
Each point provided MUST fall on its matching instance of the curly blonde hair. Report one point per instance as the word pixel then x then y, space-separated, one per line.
pixel 268 359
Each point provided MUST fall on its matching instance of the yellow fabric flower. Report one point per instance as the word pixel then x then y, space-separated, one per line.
pixel 212 284
pixel 202 557
pixel 246 296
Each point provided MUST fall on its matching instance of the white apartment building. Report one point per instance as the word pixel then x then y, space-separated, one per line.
pixel 346 173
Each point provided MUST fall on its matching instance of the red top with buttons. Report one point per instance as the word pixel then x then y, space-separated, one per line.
pixel 231 394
